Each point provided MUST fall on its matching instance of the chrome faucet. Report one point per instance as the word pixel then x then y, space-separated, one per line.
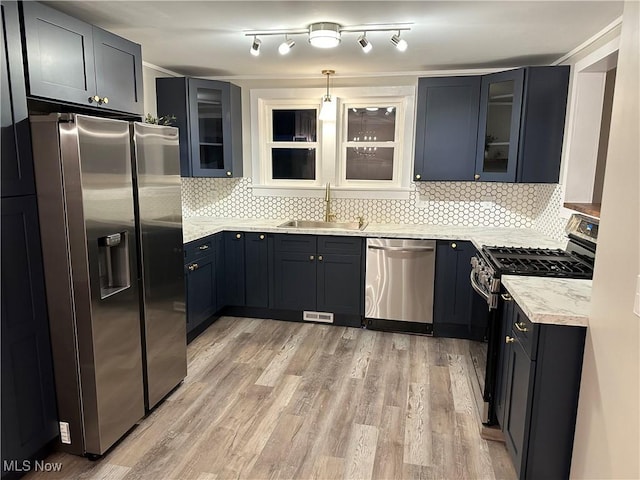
pixel 328 216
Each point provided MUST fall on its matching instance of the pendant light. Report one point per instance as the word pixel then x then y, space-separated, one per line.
pixel 328 109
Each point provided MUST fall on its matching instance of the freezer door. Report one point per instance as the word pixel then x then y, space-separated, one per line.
pixel 157 163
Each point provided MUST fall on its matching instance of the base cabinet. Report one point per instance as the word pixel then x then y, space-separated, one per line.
pixel 537 392
pixel 318 273
pixel 457 310
pixel 200 281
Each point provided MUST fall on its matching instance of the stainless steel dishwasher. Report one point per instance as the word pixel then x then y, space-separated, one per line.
pixel 399 283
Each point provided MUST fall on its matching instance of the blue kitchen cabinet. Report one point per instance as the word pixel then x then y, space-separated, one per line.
pixel 256 269
pixel 208 114
pixel 318 273
pixel 502 127
pixel 539 371
pixel 234 268
pixel 457 311
pixel 29 418
pixel 72 61
pixel 446 128
pixel 200 281
pixel 521 125
pixel 219 252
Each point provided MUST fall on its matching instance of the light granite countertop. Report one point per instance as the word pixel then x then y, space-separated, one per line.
pixel 543 300
pixel 198 227
pixel 557 301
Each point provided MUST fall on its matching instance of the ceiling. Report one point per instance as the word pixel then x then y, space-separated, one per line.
pixel 206 38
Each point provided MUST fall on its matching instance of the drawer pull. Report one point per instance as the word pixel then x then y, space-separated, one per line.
pixel 311 257
pixel 192 267
pixel 203 247
pixel 509 339
pixel 521 326
pixel 454 245
pixel 319 258
pixel 506 297
pixel 238 235
pixel 261 237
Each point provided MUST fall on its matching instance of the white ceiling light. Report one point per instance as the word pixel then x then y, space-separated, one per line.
pixel 400 43
pixel 328 109
pixel 329 35
pixel 255 46
pixel 286 46
pixel 324 35
pixel 364 43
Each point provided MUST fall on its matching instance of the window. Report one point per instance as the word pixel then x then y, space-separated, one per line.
pixel 370 149
pixel 367 148
pixel 291 143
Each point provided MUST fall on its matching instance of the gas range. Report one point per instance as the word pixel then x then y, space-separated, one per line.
pixel 575 262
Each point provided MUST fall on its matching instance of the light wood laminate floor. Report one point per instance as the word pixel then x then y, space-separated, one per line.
pixel 271 399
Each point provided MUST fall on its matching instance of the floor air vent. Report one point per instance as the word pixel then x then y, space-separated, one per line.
pixel 317 317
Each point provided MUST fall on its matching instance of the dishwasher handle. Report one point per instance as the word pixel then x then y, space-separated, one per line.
pixel 401 249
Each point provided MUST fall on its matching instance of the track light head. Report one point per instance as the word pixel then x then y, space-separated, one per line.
pixel 364 43
pixel 399 43
pixel 255 46
pixel 286 46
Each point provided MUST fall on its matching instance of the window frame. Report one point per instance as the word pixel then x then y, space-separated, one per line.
pixel 267 144
pixel 329 161
pixel 396 144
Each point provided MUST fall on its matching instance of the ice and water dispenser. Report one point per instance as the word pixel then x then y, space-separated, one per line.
pixel 113 252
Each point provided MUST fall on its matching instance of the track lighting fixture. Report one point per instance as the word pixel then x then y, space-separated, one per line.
pixel 286 46
pixel 399 43
pixel 329 35
pixel 255 46
pixel 364 43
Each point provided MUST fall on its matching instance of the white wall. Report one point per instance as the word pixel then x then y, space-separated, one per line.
pixel 607 440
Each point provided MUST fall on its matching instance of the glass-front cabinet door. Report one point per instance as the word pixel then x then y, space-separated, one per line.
pixel 499 126
pixel 215 128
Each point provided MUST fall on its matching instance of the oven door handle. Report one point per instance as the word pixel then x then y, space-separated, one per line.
pixel 477 288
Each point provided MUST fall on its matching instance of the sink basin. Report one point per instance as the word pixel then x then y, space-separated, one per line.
pixel 321 224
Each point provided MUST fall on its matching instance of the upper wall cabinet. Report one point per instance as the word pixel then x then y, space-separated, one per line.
pixel 503 127
pixel 521 125
pixel 446 128
pixel 209 116
pixel 71 61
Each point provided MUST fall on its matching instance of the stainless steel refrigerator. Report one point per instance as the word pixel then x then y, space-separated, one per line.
pixel 110 215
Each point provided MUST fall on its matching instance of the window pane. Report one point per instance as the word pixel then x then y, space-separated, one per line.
pixel 370 163
pixel 294 163
pixel 371 124
pixel 294 125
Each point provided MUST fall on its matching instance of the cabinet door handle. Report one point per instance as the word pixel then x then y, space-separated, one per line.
pixel 228 174
pixel 509 339
pixel 105 100
pixel 319 258
pixel 476 176
pixel 95 98
pixel 454 245
pixel 521 326
pixel 418 176
pixel 203 247
pixel 506 297
pixel 238 235
pixel 311 257
pixel 192 267
pixel 261 237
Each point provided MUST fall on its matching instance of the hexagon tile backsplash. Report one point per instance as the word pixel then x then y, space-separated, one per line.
pixel 439 203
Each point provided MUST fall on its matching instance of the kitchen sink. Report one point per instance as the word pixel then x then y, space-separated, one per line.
pixel 321 224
